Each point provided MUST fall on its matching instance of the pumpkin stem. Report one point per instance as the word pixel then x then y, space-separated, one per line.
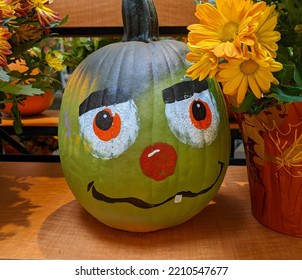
pixel 140 21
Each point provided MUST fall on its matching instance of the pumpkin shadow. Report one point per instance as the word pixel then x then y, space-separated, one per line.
pixel 14 209
pixel 74 234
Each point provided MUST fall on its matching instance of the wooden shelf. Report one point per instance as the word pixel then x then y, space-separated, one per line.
pixel 45 124
pixel 108 13
pixel 40 219
pixel 49 118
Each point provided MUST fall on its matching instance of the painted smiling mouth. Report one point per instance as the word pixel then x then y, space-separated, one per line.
pixel 145 205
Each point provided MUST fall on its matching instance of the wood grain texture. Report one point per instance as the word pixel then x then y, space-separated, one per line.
pixel 107 13
pixel 47 118
pixel 40 219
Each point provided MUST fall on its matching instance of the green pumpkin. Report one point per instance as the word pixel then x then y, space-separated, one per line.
pixel 142 147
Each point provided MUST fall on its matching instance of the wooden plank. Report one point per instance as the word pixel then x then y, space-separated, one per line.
pixel 107 13
pixel 40 219
pixel 47 118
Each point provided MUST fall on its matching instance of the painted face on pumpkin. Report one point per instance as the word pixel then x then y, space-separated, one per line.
pixel 109 124
pixel 109 121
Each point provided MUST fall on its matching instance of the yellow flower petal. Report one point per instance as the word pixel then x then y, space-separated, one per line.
pixel 207 65
pixel 264 82
pixel 208 15
pixel 254 86
pixel 231 86
pixel 242 90
pixel 228 73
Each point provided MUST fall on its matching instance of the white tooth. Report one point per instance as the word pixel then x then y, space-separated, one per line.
pixel 178 198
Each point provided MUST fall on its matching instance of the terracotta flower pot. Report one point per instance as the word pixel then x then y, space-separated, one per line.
pixel 273 148
pixel 33 105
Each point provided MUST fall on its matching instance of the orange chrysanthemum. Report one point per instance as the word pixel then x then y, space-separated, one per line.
pixel 6 10
pixel 46 16
pixel 4 46
pixel 26 32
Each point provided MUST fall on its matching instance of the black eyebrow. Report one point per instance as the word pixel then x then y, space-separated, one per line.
pixel 183 90
pixel 102 98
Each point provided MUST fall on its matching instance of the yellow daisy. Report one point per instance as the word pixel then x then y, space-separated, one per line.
pixel 55 60
pixel 222 29
pixel 266 37
pixel 248 73
pixel 206 65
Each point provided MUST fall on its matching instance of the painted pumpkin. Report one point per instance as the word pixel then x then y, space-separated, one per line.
pixel 142 148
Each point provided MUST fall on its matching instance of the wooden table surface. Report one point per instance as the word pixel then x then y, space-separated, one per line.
pixel 47 118
pixel 40 219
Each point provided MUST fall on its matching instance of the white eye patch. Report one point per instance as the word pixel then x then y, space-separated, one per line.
pixel 194 120
pixel 110 130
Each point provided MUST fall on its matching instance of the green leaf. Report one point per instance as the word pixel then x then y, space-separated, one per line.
pixel 16 74
pixel 16 116
pixel 6 87
pixel 19 89
pixel 246 104
pixel 3 75
pixel 286 94
pixel 20 50
pixel 288 90
pixel 297 77
pixel 28 90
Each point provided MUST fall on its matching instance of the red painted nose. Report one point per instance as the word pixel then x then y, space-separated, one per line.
pixel 158 161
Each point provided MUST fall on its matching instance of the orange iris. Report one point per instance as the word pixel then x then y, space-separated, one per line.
pixel 200 114
pixel 106 126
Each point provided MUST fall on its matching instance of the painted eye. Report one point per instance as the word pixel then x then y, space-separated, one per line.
pixel 194 120
pixel 200 114
pixel 106 126
pixel 109 131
